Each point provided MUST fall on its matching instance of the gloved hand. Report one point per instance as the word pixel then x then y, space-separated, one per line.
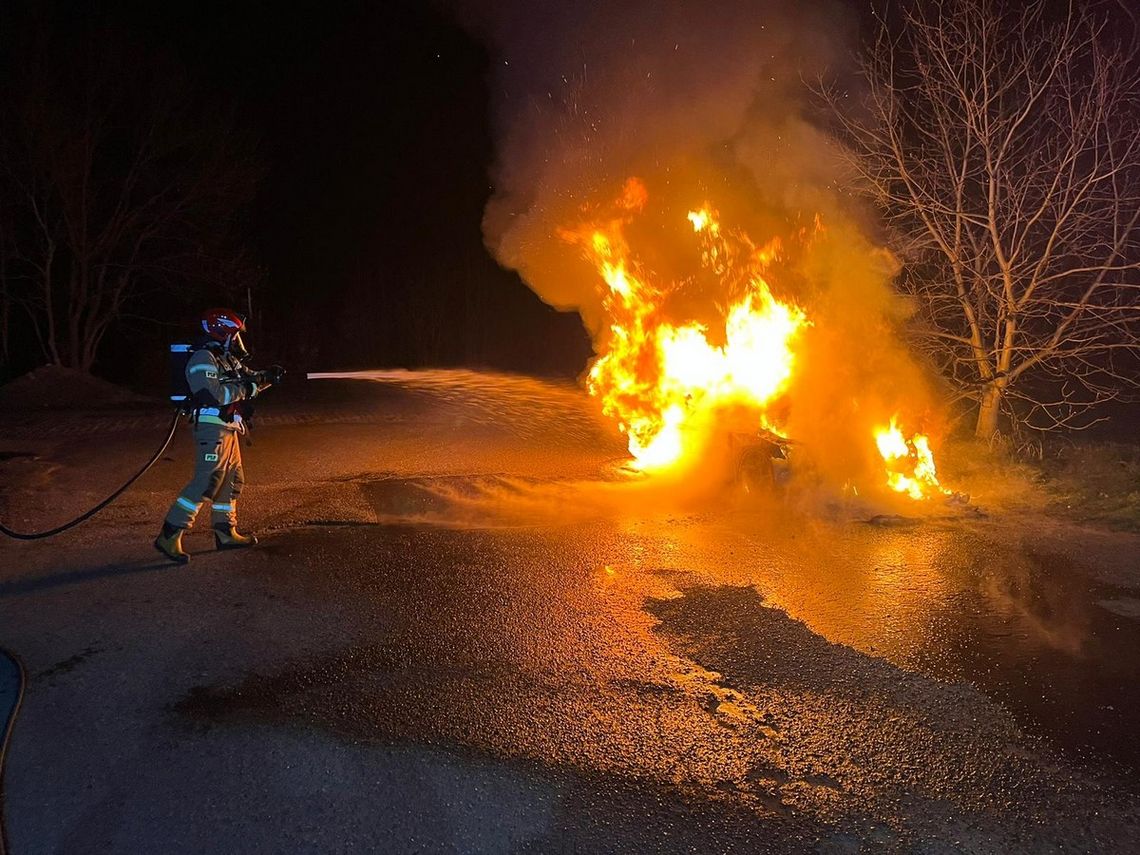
pixel 270 376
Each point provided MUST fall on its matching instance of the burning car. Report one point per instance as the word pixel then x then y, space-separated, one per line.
pixel 675 386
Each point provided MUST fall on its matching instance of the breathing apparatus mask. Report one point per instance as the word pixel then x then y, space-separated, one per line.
pixel 235 347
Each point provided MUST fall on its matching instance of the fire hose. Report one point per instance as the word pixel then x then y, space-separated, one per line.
pixel 11 663
pixel 39 535
pixel 180 354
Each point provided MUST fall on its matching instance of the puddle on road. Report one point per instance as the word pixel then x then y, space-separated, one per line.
pixel 1009 614
pixel 985 603
pixel 980 604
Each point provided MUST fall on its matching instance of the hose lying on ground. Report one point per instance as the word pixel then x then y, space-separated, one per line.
pixel 39 535
pixel 5 736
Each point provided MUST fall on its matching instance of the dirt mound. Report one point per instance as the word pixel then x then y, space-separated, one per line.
pixel 54 387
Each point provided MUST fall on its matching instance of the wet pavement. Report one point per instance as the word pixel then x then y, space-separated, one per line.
pixel 465 631
pixel 1023 612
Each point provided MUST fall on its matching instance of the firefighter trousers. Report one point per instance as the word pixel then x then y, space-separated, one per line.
pixel 218 478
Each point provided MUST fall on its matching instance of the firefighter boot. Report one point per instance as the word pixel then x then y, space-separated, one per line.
pixel 169 543
pixel 226 536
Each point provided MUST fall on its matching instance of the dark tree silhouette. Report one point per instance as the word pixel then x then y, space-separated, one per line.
pixel 117 179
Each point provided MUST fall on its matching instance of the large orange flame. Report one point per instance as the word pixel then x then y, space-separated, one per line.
pixel 669 385
pixel 660 380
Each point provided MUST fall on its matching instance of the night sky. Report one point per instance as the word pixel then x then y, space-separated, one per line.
pixel 371 121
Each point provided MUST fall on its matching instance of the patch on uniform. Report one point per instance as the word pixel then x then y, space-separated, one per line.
pixel 211 375
pixel 211 458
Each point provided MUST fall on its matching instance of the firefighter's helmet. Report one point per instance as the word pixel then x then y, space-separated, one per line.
pixel 225 326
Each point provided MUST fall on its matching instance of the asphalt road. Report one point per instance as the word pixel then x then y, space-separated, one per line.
pixel 466 631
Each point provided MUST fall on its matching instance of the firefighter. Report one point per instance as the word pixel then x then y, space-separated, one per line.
pixel 219 384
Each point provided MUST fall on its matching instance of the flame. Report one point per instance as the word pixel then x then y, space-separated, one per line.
pixel 703 219
pixel 669 385
pixel 910 462
pixel 661 380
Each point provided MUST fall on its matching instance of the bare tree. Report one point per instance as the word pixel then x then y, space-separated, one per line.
pixel 122 181
pixel 1002 144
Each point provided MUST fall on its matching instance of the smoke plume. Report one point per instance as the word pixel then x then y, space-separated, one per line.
pixel 705 103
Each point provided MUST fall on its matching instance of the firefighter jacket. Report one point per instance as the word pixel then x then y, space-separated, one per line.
pixel 218 384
